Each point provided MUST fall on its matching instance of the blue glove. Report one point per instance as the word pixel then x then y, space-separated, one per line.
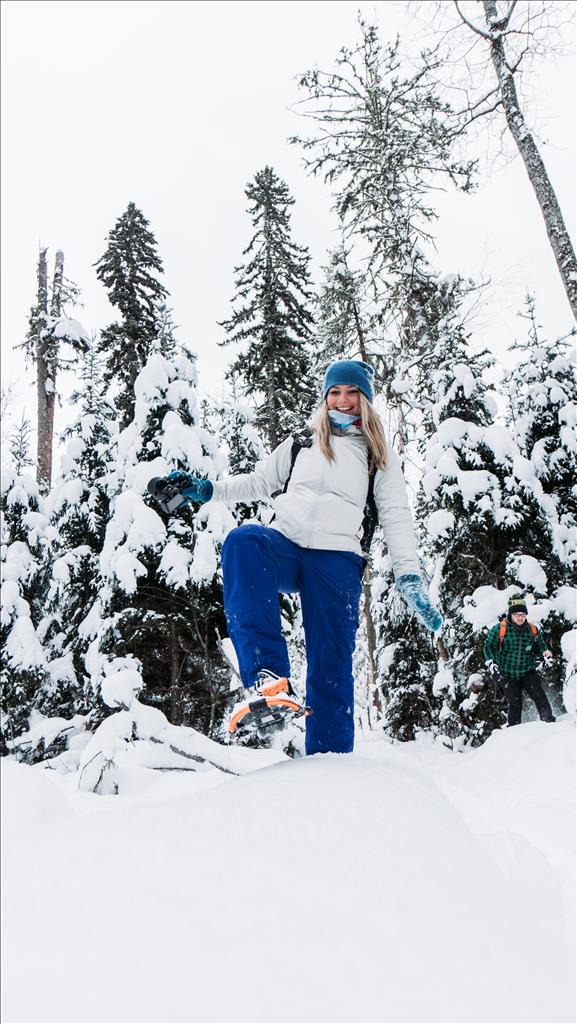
pixel 193 488
pixel 178 489
pixel 413 592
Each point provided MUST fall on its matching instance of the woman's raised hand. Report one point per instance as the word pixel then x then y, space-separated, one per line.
pixel 177 489
pixel 193 488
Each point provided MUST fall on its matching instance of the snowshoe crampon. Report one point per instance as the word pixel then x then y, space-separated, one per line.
pixel 265 712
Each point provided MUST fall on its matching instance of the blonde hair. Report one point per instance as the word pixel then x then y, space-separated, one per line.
pixel 370 424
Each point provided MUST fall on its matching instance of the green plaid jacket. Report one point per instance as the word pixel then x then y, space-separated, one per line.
pixel 519 651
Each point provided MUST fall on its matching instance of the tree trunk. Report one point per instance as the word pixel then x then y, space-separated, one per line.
pixel 360 333
pixel 175 687
pixel 556 230
pixel 373 696
pixel 45 409
pixel 56 303
pixel 46 364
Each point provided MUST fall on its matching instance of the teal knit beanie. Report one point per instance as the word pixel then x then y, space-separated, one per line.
pixel 353 372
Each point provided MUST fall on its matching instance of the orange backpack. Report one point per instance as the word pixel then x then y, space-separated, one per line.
pixel 503 630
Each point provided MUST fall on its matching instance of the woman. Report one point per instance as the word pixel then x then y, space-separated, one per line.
pixel 313 547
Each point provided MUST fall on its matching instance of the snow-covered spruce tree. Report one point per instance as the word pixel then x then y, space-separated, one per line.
pixel 24 659
pixel 542 397
pixel 161 587
pixel 483 513
pixel 459 512
pixel 129 270
pixel 272 317
pixel 79 508
pixel 404 660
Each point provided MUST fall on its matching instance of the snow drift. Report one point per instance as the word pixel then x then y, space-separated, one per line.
pixel 400 883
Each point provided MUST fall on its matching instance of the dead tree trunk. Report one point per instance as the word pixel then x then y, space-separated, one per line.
pixel 57 280
pixel 44 438
pixel 554 223
pixel 46 349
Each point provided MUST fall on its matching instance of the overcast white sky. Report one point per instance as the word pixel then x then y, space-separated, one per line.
pixel 175 106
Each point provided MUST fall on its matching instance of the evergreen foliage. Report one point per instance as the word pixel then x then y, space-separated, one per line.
pixel 542 396
pixel 19 445
pixel 80 506
pixel 404 662
pixel 483 517
pixel 129 270
pixel 161 592
pixel 109 590
pixel 460 512
pixel 272 314
pixel 24 672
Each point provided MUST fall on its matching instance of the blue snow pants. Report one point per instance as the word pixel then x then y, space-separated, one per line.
pixel 258 563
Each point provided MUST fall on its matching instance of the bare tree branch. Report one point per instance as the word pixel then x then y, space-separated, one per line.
pixel 469 24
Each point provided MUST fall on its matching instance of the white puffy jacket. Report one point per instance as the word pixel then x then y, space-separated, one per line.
pixel 324 503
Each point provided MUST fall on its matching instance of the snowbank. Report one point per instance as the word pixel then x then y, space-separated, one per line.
pixel 401 883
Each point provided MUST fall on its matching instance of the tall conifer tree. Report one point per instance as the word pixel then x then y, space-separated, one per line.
pixel 129 270
pixel 80 507
pixel 272 313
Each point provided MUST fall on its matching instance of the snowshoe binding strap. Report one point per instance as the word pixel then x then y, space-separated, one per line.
pixel 264 715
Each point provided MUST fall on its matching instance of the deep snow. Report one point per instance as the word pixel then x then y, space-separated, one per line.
pixel 400 883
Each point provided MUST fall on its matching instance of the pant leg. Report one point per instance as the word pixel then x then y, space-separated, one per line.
pixel 330 594
pixel 514 695
pixel 257 563
pixel 533 685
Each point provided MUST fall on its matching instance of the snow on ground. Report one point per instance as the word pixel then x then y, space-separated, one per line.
pixel 400 883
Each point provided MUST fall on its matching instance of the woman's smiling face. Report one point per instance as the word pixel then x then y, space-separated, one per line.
pixel 344 398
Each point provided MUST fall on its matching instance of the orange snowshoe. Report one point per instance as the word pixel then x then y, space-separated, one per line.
pixel 268 706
